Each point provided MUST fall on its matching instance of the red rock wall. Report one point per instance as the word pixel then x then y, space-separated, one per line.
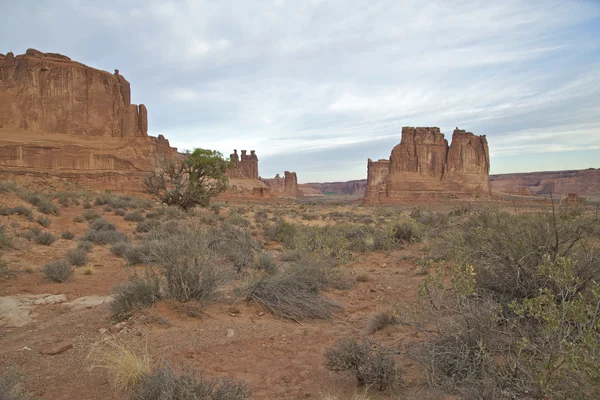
pixel 284 187
pixel 60 117
pixel 423 165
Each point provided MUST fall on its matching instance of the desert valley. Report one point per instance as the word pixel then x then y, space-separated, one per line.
pixel 130 269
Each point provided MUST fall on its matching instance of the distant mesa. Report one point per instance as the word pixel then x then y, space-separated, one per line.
pixel 61 118
pixel 423 165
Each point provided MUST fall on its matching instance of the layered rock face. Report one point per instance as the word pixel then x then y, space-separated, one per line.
pixel 584 182
pixel 244 167
pixel 423 165
pixel 356 187
pixel 60 118
pixel 286 186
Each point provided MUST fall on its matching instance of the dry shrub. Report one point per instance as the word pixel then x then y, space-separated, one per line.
pixel 372 367
pixel 163 383
pixel 135 216
pixel 103 232
pixel 90 215
pixel 382 320
pixel 78 219
pixel 77 257
pixel 125 367
pixel 45 238
pixel 294 292
pixel 43 221
pixel 133 296
pixel 264 262
pixel 58 271
pixel 5 240
pixel 67 235
pixel 238 220
pixel 237 245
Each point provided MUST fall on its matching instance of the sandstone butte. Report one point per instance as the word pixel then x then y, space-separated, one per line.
pixel 62 119
pixel 286 186
pixel 243 176
pixel 424 166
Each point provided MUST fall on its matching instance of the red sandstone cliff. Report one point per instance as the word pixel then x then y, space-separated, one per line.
pixel 61 118
pixel 285 187
pixel 423 165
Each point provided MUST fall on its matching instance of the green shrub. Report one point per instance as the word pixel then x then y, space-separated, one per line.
pixel 78 218
pixel 102 225
pixel 283 232
pixel 84 245
pixel 43 221
pixel 104 236
pixel 371 367
pixel 407 231
pixel 68 235
pixel 235 244
pixel 86 204
pixel 57 271
pixel 77 257
pixel 45 238
pixel 133 255
pixel 120 212
pixel 163 383
pixel 132 296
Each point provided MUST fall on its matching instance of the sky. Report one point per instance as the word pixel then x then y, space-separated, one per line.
pixel 318 87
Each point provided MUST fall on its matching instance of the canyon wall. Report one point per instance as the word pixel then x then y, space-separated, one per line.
pixel 63 119
pixel 349 188
pixel 423 165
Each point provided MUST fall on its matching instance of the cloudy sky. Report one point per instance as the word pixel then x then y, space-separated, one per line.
pixel 319 86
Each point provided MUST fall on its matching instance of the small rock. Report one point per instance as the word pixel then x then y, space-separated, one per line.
pixel 234 311
pixel 57 348
pixel 287 379
pixel 230 333
pixel 261 313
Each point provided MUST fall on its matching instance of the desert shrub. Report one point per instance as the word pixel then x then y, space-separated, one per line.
pixel 120 212
pixel 184 264
pixel 78 218
pixel 135 216
pixel 5 240
pixel 407 231
pixel 64 201
pixel 104 236
pixel 84 245
pixel 90 215
pixel 108 208
pixel 68 235
pixel 46 206
pixel 147 225
pixel 77 257
pixel 235 244
pixel 260 216
pixel 382 320
pixel 20 210
pixel 43 221
pixel 133 255
pixel 309 216
pixel 45 238
pixel 57 271
pixel 163 383
pixel 283 232
pixel 32 233
pixel 508 249
pixel 9 186
pixel 292 294
pixel 264 262
pixel 86 204
pixel 102 225
pixel 10 388
pixel 174 213
pixel 236 219
pixel 132 296
pixel 153 215
pixel 215 208
pixel 371 367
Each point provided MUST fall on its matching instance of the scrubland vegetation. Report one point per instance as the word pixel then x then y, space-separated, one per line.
pixel 507 302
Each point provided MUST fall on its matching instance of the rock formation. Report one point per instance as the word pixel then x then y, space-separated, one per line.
pixel 284 187
pixel 423 165
pixel 244 167
pixel 63 119
pixel 349 188
pixel 585 183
